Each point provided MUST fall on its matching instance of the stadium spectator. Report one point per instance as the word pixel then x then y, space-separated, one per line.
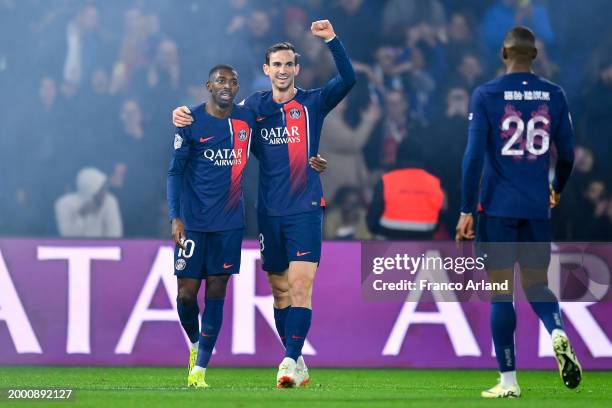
pixel 460 39
pixel 359 21
pixel 596 125
pixel 135 52
pixel 102 53
pixel 543 65
pixel 86 45
pixel 165 71
pixel 295 24
pixel 91 211
pixel 505 14
pixel 567 223
pixel 384 74
pixel 341 144
pixel 469 72
pixel 448 135
pixel 138 189
pixel 346 219
pixel 423 62
pixel 399 14
pixel 595 213
pixel 407 200
pixel 397 125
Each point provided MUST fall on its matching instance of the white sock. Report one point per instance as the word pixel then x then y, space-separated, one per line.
pixel 194 346
pixel 508 378
pixel 195 369
pixel 558 331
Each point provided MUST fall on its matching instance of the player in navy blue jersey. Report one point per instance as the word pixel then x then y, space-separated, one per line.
pixel 207 211
pixel 514 122
pixel 290 204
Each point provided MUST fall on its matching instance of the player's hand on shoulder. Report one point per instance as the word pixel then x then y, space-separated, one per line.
pixel 465 228
pixel 318 163
pixel 322 29
pixel 178 233
pixel 181 117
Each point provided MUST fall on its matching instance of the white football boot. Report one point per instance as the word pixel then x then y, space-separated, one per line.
pixel 286 377
pixel 511 391
pixel 569 367
pixel 301 371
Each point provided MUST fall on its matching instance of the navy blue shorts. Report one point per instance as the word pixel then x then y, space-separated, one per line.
pixel 509 240
pixel 208 253
pixel 287 238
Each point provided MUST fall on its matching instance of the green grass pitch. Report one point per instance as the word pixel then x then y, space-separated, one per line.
pixel 254 387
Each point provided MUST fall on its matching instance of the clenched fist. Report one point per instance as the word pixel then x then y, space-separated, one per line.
pixel 322 29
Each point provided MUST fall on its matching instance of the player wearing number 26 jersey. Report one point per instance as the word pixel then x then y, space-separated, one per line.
pixel 515 121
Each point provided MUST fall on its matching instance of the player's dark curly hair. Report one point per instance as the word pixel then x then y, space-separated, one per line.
pixel 219 67
pixel 281 46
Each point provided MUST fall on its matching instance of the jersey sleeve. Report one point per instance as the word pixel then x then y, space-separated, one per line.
pixel 340 85
pixel 178 162
pixel 565 143
pixel 473 158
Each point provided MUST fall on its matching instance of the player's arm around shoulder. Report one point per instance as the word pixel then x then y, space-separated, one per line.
pixel 181 117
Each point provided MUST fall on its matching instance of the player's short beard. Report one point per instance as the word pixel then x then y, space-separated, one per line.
pixel 222 103
pixel 289 86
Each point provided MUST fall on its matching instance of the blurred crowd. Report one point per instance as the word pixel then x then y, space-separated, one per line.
pixel 88 88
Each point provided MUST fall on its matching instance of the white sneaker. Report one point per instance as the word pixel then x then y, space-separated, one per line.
pixel 301 372
pixel 286 377
pixel 569 367
pixel 512 391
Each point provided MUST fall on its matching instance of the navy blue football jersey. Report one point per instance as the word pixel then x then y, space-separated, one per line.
pixel 205 175
pixel 288 134
pixel 514 122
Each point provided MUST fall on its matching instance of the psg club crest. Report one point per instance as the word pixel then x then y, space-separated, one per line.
pixel 180 264
pixel 178 141
pixel 242 135
pixel 295 113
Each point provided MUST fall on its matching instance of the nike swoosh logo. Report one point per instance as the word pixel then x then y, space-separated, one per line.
pixel 207 335
pixel 226 266
pixel 302 253
pixel 205 139
pixel 260 118
pixel 297 337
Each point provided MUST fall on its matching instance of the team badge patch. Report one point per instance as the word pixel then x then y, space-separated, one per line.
pixel 180 264
pixel 295 113
pixel 178 141
pixel 242 135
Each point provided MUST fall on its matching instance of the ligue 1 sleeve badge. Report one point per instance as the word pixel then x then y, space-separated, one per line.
pixel 178 141
pixel 180 264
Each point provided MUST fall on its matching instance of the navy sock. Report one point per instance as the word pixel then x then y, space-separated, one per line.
pixel 296 329
pixel 544 303
pixel 503 324
pixel 211 325
pixel 280 319
pixel 188 315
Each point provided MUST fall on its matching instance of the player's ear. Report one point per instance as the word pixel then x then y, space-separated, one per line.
pixel 208 86
pixel 504 53
pixel 535 54
pixel 266 69
pixel 297 69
